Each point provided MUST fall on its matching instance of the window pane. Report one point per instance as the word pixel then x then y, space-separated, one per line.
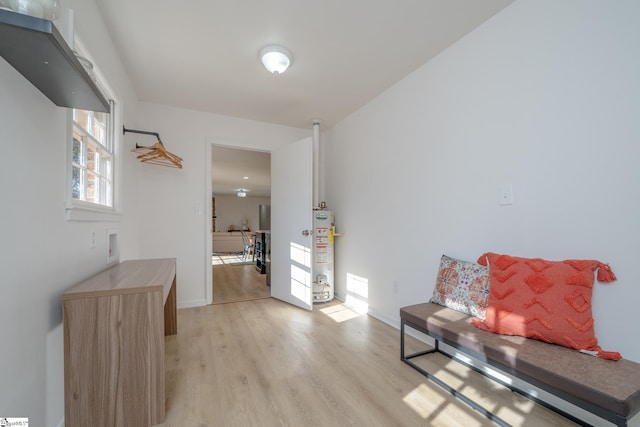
pixel 77 149
pixel 76 183
pixel 105 191
pixel 82 118
pixel 92 157
pixel 105 170
pixel 100 118
pixel 109 194
pixel 98 127
pixel 93 188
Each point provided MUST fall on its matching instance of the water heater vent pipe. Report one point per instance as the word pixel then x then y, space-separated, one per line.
pixel 316 162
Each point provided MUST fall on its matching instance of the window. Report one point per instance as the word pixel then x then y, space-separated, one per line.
pixel 93 151
pixel 92 157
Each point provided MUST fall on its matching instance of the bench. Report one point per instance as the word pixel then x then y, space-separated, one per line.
pixel 114 329
pixel 608 389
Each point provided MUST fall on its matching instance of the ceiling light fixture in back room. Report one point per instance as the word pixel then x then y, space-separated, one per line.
pixel 276 59
pixel 242 193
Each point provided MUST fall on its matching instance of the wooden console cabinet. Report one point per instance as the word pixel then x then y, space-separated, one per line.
pixel 114 328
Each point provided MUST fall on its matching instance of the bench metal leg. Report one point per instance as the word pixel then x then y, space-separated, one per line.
pixel 621 422
pixel 618 420
pixel 407 359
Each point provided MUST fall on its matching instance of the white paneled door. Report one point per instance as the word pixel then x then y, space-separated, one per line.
pixel 291 211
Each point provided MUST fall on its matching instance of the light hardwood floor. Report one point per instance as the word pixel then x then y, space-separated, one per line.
pixel 267 363
pixel 239 282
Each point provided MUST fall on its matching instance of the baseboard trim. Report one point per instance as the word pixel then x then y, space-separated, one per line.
pixel 384 318
pixel 396 324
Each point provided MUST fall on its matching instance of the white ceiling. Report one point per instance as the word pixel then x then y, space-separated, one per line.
pixel 203 54
pixel 229 166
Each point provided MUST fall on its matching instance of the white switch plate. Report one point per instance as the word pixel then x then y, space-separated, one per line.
pixel 505 195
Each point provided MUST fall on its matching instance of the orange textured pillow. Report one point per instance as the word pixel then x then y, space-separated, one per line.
pixel 545 300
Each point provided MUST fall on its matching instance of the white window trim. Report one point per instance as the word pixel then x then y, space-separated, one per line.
pixel 82 211
pixel 78 210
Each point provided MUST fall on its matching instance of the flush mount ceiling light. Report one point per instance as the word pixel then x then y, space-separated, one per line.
pixel 275 58
pixel 242 193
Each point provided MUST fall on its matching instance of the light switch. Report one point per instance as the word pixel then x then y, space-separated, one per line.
pixel 505 195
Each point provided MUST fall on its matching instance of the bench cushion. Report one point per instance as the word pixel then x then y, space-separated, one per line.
pixel 612 385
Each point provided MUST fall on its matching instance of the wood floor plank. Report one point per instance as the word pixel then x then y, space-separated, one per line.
pixel 267 363
pixel 240 282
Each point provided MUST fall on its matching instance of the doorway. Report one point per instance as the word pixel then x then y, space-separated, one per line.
pixel 240 187
pixel 289 243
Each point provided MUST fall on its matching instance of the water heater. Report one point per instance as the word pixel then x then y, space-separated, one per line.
pixel 322 254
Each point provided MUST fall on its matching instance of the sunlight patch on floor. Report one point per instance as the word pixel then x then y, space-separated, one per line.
pixel 423 400
pixel 516 418
pixel 340 312
pixel 486 392
pixel 229 259
pixel 432 404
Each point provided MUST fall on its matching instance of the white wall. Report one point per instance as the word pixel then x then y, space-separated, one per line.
pixel 544 96
pixel 42 254
pixel 173 204
pixel 232 210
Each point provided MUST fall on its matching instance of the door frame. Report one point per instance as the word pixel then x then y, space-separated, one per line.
pixel 208 244
pixel 208 241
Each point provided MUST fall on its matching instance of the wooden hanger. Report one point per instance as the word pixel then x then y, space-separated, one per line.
pixel 155 154
pixel 158 155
